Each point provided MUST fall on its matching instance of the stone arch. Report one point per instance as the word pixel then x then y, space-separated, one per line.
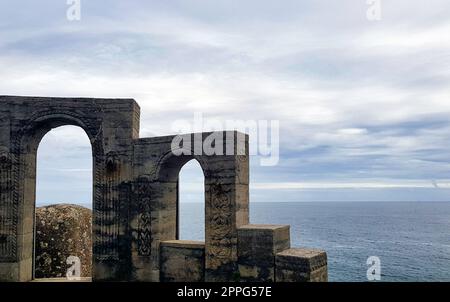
pixel 169 165
pixel 226 204
pixel 111 125
pixel 191 202
pixel 27 142
pixel 167 173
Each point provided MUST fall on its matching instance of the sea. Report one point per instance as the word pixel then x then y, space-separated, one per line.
pixel 410 239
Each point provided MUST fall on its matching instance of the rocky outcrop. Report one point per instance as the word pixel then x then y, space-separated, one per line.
pixel 62 231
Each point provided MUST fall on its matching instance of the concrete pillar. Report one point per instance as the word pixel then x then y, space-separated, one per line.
pixel 257 247
pixel 111 125
pixel 301 265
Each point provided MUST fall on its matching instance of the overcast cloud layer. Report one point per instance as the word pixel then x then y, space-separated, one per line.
pixel 364 107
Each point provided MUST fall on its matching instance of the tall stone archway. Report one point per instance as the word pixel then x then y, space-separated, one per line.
pixel 111 125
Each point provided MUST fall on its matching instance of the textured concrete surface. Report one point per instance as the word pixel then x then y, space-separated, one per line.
pixel 112 125
pixel 182 261
pixel 155 194
pixel 62 231
pixel 258 245
pixel 300 265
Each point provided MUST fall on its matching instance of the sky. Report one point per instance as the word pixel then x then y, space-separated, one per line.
pixel 363 106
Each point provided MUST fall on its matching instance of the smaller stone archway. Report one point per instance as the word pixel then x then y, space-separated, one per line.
pixel 226 201
pixel 168 172
pixel 191 202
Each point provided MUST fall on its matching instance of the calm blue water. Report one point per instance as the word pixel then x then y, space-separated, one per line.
pixel 412 239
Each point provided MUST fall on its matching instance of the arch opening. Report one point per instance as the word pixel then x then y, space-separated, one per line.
pixel 62 202
pixel 191 202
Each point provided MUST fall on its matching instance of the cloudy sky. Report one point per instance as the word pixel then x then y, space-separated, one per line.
pixel 363 106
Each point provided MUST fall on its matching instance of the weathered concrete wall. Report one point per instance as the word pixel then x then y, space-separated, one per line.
pixel 135 205
pixel 258 245
pixel 156 200
pixel 182 261
pixel 300 265
pixel 111 125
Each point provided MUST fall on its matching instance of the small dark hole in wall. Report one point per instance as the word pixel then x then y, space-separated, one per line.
pixel 3 239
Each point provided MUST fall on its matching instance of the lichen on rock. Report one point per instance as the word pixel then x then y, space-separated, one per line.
pixel 62 230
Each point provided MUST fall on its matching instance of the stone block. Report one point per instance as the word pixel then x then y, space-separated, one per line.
pixel 257 247
pixel 62 231
pixel 301 265
pixel 182 261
